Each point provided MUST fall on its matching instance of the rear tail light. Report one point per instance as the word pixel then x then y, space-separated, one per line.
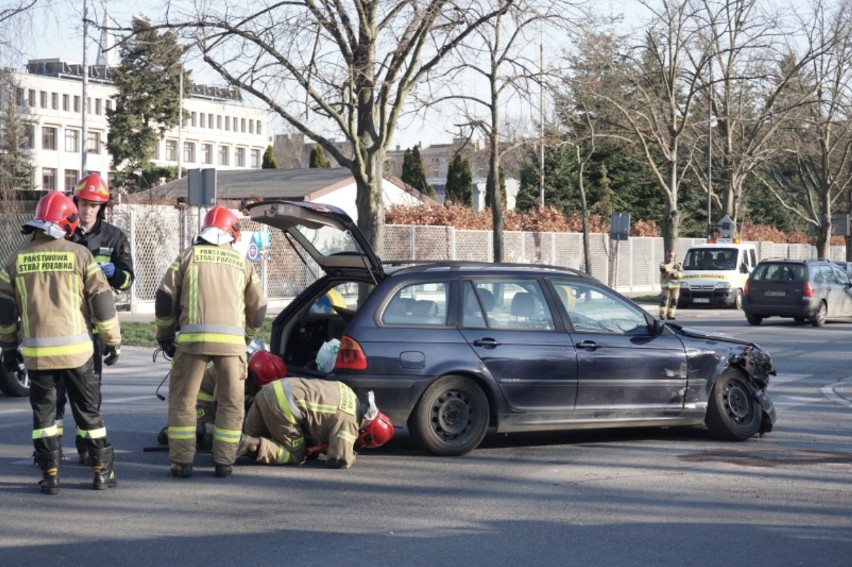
pixel 350 356
pixel 745 289
pixel 808 290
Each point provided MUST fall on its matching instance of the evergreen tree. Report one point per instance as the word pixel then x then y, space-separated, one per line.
pixel 16 170
pixel 318 158
pixel 412 171
pixel 147 104
pixel 459 178
pixel 269 159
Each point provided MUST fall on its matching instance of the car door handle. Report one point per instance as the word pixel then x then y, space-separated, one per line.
pixel 486 342
pixel 587 345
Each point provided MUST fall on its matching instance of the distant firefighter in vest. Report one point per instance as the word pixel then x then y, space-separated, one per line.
pixel 671 274
pixel 111 250
pixel 209 305
pixel 294 417
pixel 51 293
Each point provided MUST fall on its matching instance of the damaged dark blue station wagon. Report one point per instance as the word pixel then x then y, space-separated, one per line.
pixel 452 349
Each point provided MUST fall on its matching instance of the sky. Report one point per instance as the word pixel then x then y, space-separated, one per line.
pixel 61 21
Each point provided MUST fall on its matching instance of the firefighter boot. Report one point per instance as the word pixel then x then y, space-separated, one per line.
pixel 223 471
pixel 102 467
pixel 48 462
pixel 181 470
pixel 249 446
pixel 84 451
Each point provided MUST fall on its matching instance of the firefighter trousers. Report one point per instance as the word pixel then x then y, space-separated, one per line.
pixel 281 442
pixel 61 390
pixel 187 373
pixel 84 393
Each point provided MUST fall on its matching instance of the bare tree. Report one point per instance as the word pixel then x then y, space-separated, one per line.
pixel 501 56
pixel 656 109
pixel 329 67
pixel 813 175
pixel 747 85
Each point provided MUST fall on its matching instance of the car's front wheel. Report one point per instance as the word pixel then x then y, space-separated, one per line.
pixel 451 417
pixel 733 413
pixel 738 300
pixel 14 385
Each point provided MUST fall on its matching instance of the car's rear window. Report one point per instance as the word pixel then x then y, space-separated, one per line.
pixel 780 272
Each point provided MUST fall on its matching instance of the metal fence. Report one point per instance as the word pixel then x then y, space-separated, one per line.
pixel 157 235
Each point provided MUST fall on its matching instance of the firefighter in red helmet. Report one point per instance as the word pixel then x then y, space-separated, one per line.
pixel 52 294
pixel 209 305
pixel 294 417
pixel 111 249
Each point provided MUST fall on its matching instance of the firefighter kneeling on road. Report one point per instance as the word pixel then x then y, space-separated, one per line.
pixel 292 418
pixel 57 289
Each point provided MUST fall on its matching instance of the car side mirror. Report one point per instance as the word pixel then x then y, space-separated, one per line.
pixel 659 327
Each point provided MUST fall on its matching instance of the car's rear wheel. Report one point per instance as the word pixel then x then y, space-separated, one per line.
pixel 819 318
pixel 733 413
pixel 15 385
pixel 754 319
pixel 451 417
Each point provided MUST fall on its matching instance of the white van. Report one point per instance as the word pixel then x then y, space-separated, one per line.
pixel 715 273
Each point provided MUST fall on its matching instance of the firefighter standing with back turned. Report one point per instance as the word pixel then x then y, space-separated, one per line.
pixel 57 290
pixel 111 250
pixel 671 273
pixel 211 298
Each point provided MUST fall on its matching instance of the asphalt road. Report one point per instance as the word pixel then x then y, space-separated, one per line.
pixel 635 497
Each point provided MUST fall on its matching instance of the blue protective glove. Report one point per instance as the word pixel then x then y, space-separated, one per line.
pixel 108 269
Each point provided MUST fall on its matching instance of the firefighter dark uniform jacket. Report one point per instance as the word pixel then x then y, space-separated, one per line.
pixel 299 413
pixel 109 244
pixel 212 295
pixel 51 293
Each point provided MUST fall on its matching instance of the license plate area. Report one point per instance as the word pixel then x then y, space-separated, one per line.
pixel 701 300
pixel 772 293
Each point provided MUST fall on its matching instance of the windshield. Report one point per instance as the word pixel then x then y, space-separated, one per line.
pixel 711 259
pixel 328 240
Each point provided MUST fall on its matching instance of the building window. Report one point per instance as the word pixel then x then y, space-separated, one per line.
pixel 72 140
pixel 19 96
pixel 255 157
pixel 28 139
pixel 240 157
pixel 31 98
pixel 43 99
pixel 171 150
pixel 98 108
pixel 201 122
pixel 192 118
pixel 48 179
pixel 48 138
pixel 207 153
pixel 71 176
pixel 76 103
pixel 223 155
pixel 227 123
pixel 93 142
pixel 54 101
pixel 242 125
pixel 88 105
pixel 258 128
pixel 108 105
pixel 218 121
pixel 189 152
pixel 66 102
pixel 251 126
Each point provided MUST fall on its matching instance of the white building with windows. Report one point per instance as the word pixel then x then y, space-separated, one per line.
pixel 220 130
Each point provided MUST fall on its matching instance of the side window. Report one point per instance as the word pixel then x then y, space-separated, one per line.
pixel 508 304
pixel 828 275
pixel 840 276
pixel 417 305
pixel 597 310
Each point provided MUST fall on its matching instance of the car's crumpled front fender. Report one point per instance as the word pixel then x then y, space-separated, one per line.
pixel 757 365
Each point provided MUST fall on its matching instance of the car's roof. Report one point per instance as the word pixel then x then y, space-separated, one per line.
pixel 792 261
pixel 482 268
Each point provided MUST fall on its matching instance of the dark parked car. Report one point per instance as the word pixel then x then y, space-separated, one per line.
pixel 453 348
pixel 806 290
